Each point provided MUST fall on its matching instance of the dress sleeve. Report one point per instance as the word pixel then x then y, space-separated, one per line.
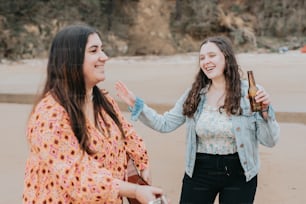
pixel 53 141
pixel 135 145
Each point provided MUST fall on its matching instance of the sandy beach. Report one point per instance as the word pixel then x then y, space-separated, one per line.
pixel 160 81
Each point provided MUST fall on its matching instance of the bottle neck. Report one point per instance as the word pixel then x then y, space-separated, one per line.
pixel 251 78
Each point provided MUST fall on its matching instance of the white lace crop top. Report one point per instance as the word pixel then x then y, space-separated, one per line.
pixel 214 132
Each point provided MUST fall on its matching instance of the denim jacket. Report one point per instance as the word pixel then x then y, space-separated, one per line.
pixel 249 128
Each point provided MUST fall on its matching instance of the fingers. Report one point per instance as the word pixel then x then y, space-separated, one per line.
pixel 121 89
pixel 125 94
pixel 119 86
pixel 262 96
pixel 147 193
pixel 156 190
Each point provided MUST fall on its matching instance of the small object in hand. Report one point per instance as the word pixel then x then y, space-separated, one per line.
pixel 134 177
pixel 255 106
pixel 160 200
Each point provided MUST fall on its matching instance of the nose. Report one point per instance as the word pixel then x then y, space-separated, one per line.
pixel 206 62
pixel 103 57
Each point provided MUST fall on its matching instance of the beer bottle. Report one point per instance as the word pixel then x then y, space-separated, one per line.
pixel 252 93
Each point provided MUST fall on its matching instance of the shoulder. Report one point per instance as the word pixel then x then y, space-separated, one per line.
pixel 184 96
pixel 245 85
pixel 110 99
pixel 107 95
pixel 48 108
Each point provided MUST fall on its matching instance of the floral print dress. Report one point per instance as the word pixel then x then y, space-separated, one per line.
pixel 59 171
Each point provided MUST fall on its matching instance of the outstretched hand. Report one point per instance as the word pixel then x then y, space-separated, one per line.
pixel 125 94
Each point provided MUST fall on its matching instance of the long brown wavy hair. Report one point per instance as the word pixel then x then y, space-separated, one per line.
pixel 232 81
pixel 65 81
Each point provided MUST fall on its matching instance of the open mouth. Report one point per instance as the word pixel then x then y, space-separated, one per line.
pixel 209 68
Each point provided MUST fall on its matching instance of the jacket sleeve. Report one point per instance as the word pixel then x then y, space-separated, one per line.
pixel 167 122
pixel 267 131
pixel 53 141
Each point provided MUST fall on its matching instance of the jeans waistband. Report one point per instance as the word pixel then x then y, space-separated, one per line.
pixel 212 162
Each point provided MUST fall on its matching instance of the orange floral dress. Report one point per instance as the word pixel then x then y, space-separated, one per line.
pixel 59 171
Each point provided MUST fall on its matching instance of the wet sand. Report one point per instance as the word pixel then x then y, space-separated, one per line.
pixel 281 179
pixel 160 81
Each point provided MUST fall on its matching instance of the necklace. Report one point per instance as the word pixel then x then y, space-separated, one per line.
pixel 215 99
pixel 220 100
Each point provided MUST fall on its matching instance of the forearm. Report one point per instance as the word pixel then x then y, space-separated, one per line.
pixel 127 189
pixel 268 130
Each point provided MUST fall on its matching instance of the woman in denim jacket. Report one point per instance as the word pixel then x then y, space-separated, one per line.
pixel 223 133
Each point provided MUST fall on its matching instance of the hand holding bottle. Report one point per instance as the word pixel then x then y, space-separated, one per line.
pixel 263 97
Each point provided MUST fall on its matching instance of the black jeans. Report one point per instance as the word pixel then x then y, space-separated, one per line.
pixel 218 175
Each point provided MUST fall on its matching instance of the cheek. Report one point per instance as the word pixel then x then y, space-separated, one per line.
pixel 87 71
pixel 222 63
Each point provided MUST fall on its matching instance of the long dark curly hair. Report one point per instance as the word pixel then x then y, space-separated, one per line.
pixel 232 74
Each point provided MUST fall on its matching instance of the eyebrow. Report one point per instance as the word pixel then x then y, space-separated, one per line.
pixel 95 46
pixel 212 52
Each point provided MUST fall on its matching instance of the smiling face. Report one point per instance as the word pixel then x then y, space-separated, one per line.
pixel 94 61
pixel 212 61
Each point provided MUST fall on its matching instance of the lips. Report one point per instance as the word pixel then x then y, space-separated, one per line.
pixel 99 66
pixel 209 68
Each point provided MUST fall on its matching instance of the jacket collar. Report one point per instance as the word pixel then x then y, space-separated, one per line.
pixel 244 87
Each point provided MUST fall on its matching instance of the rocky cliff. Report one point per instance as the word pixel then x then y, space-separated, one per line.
pixel 160 27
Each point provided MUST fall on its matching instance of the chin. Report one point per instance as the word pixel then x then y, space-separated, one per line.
pixel 209 76
pixel 102 79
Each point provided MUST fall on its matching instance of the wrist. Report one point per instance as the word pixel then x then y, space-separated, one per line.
pixel 265 109
pixel 132 102
pixel 135 191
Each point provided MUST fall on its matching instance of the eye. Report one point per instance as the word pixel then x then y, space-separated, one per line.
pixel 212 55
pixel 93 50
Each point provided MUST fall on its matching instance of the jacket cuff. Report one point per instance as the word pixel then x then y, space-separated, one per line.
pixel 137 109
pixel 270 111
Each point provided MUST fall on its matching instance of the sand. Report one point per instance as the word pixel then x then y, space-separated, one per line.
pixel 160 80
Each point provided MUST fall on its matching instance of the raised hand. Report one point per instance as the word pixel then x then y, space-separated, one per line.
pixel 125 94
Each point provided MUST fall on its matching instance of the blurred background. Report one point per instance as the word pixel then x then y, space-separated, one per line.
pixel 154 47
pixel 159 27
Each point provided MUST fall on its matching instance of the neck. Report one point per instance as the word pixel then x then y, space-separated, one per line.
pixel 218 85
pixel 89 94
